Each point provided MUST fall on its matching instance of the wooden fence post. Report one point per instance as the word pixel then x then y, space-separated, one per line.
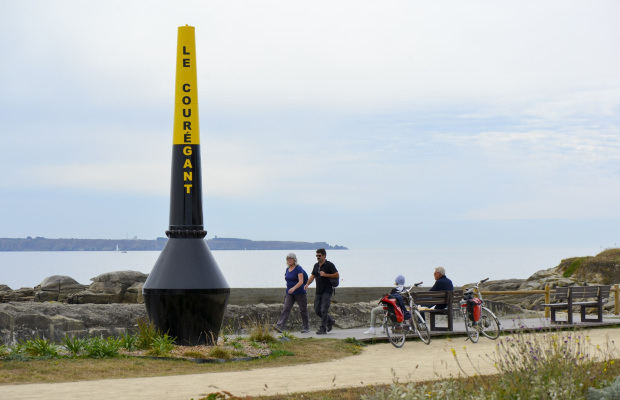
pixel 617 299
pixel 547 300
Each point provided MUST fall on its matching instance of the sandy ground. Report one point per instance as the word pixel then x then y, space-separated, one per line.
pixel 380 363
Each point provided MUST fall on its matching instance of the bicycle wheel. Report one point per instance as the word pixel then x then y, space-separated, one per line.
pixel 395 332
pixel 489 324
pixel 472 332
pixel 421 328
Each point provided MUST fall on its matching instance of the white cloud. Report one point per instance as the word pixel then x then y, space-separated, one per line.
pixel 452 109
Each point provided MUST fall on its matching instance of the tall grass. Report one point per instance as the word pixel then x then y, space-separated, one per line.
pixel 553 365
pixel 260 331
pixel 146 333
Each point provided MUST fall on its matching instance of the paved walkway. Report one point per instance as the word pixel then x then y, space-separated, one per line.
pixel 377 364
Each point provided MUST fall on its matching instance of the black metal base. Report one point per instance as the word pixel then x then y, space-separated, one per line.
pixel 193 316
pixel 186 294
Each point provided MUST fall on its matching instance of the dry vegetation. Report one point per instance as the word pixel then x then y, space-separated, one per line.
pixel 64 369
pixel 604 268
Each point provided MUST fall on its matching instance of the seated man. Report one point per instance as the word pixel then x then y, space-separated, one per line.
pixel 441 283
pixel 399 286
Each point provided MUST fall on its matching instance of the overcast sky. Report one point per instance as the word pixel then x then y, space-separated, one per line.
pixel 360 123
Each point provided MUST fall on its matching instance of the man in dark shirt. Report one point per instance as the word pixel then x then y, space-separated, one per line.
pixel 322 271
pixel 441 283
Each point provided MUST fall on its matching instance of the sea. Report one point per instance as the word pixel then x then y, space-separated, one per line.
pixel 265 268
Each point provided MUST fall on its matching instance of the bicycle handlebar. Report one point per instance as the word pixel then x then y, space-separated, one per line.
pixel 412 286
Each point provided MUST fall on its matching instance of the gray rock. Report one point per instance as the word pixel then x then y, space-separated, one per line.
pixel 22 294
pixel 57 288
pixel 25 321
pixel 52 321
pixel 112 287
pixel 354 315
pixel 134 293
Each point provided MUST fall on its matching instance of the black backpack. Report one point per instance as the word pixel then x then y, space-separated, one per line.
pixel 333 281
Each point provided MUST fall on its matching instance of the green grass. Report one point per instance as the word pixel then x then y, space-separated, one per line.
pixel 573 267
pixel 14 370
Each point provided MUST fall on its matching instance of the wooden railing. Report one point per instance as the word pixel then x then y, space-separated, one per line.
pixel 547 292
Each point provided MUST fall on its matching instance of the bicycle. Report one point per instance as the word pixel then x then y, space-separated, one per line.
pixel 397 331
pixel 487 324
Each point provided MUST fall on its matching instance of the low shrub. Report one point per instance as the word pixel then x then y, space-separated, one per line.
pixel 161 345
pixel 220 352
pixel 260 331
pixel 98 347
pixel 129 342
pixel 40 348
pixel 74 345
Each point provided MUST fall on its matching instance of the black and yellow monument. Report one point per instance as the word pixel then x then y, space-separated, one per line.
pixel 186 294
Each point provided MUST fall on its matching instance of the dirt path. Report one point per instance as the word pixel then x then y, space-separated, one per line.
pixel 378 364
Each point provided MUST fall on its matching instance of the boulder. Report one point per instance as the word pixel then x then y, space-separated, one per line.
pixel 112 287
pixel 134 293
pixel 22 294
pixel 57 288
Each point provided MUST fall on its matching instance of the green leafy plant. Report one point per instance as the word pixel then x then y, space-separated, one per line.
pixel 74 345
pixel 280 353
pixel 162 345
pixel 128 342
pixel 38 347
pixel 354 341
pixel 237 343
pixel 287 334
pixel 99 347
pixel 4 351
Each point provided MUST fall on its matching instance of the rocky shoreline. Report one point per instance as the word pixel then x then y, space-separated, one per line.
pixel 113 303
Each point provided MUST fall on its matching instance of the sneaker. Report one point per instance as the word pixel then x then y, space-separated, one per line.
pixel 277 328
pixel 371 331
pixel 330 324
pixel 305 330
pixel 321 331
pixel 382 330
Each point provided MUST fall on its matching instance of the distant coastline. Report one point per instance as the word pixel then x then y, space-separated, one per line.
pixel 45 244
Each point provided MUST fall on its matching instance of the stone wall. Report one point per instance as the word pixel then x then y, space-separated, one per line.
pixel 113 303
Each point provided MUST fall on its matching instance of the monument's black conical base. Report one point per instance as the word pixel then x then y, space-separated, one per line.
pixel 186 294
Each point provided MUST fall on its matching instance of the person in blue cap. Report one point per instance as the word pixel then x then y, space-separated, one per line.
pixel 399 286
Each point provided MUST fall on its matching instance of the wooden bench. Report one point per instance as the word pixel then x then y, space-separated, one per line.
pixel 579 296
pixel 429 299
